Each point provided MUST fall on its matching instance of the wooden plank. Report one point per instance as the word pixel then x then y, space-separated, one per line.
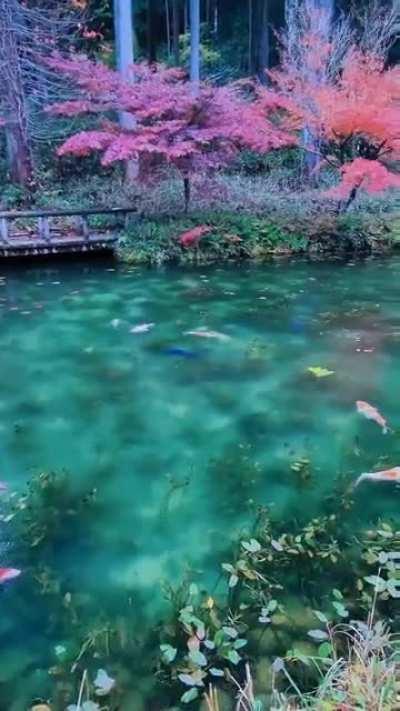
pixel 12 215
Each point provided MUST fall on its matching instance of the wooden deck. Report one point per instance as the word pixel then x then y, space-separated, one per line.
pixel 47 233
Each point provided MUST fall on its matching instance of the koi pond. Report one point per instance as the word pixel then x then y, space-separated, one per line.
pixel 162 484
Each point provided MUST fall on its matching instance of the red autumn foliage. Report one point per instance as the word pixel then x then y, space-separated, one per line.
pixel 370 175
pixel 193 131
pixel 191 238
pixel 351 107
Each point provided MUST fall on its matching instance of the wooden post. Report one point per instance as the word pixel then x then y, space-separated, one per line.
pixel 44 228
pixel 84 227
pixel 4 230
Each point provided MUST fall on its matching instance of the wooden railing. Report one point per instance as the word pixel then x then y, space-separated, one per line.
pixel 44 218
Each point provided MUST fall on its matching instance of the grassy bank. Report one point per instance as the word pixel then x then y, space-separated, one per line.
pixel 237 236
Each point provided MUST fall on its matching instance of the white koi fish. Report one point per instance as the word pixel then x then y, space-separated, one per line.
pixel 384 475
pixel 204 333
pixel 372 413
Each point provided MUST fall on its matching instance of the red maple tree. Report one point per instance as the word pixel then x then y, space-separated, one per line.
pixel 193 130
pixel 349 102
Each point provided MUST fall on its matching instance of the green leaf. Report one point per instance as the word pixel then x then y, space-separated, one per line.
pixel 337 594
pixel 325 650
pixel 193 590
pixel 251 546
pixel 378 582
pixel 233 656
pixel 189 696
pixel 228 567
pixel 322 618
pixel 340 609
pixel 169 653
pixel 239 643
pixel 186 679
pixel 216 672
pixel 233 581
pixel 230 632
pixel 271 607
pixel 318 635
pixel 198 658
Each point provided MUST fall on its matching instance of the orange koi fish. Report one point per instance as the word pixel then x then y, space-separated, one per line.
pixel 371 413
pixel 8 574
pixel 385 475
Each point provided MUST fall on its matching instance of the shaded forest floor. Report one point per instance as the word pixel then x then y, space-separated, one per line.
pixel 251 216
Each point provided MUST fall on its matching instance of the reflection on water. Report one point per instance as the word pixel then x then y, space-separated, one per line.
pixel 178 447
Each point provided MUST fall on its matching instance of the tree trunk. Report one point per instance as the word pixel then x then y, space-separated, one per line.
pixel 263 43
pixel 151 41
pixel 259 46
pixel 186 191
pixel 250 49
pixel 17 134
pixel 18 155
pixel 175 31
pixel 124 33
pixel 168 27
pixel 216 18
pixel 195 41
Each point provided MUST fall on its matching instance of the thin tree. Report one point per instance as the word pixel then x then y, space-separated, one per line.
pixel 175 31
pixel 28 84
pixel 195 41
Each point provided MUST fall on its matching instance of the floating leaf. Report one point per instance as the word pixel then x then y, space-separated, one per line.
pixel 189 696
pixel 169 653
pixel 251 546
pixel 276 546
pixel 318 635
pixel 209 644
pixel 319 372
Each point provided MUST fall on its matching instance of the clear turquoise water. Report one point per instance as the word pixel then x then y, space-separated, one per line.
pixel 147 429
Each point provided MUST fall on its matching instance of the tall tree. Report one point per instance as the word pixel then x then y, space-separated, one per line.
pixel 123 27
pixel 175 30
pixel 151 38
pixel 28 33
pixel 259 45
pixel 195 41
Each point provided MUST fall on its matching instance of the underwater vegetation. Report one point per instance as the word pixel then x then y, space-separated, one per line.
pixel 301 614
